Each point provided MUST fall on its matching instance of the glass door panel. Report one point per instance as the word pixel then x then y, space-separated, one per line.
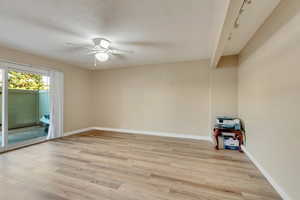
pixel 28 106
pixel 1 122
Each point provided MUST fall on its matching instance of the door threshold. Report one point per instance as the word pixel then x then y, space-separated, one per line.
pixel 24 144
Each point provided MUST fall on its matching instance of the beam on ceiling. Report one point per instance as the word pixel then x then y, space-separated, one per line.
pixel 227 25
pixel 228 61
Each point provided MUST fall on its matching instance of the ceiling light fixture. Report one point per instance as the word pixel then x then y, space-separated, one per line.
pixel 237 20
pixel 102 56
pixel 104 43
pixel 101 50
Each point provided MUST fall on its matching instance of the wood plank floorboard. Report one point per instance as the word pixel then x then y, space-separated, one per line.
pixel 116 166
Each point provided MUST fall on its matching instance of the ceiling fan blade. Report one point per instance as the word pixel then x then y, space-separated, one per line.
pixel 100 49
pixel 94 51
pixel 71 44
pixel 91 52
pixel 120 51
pixel 119 56
pixel 75 45
pixel 89 47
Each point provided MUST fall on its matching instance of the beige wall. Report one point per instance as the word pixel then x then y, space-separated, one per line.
pixel 77 87
pixel 168 97
pixel 223 84
pixel 269 96
pixel 180 98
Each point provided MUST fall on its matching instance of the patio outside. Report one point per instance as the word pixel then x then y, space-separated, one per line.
pixel 28 106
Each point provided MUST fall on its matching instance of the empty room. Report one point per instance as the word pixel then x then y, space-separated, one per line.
pixel 149 99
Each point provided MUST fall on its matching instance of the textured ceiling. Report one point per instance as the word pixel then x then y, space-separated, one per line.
pixel 157 31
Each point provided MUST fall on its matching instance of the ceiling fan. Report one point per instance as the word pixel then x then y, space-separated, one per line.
pixel 102 50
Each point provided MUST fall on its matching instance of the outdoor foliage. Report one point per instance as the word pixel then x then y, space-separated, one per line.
pixel 26 81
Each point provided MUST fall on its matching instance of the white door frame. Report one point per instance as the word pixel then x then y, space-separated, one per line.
pixel 4 110
pixel 4 134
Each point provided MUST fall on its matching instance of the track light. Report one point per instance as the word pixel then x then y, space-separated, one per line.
pixel 237 20
pixel 242 10
pixel 236 25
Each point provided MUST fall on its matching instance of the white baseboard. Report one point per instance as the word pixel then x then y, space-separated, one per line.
pixel 77 131
pixel 275 185
pixel 129 131
pixel 279 189
pixel 155 133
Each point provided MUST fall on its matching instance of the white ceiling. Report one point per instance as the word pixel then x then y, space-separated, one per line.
pixel 252 18
pixel 157 31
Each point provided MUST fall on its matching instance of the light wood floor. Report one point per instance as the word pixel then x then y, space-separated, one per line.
pixel 115 166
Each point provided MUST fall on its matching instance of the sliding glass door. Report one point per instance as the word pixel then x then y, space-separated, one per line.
pixel 25 109
pixel 2 136
pixel 28 106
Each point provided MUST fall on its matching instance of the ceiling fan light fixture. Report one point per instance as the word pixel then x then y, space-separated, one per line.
pixel 104 43
pixel 102 57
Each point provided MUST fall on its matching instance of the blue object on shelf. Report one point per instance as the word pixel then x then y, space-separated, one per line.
pixel 228 123
pixel 231 143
